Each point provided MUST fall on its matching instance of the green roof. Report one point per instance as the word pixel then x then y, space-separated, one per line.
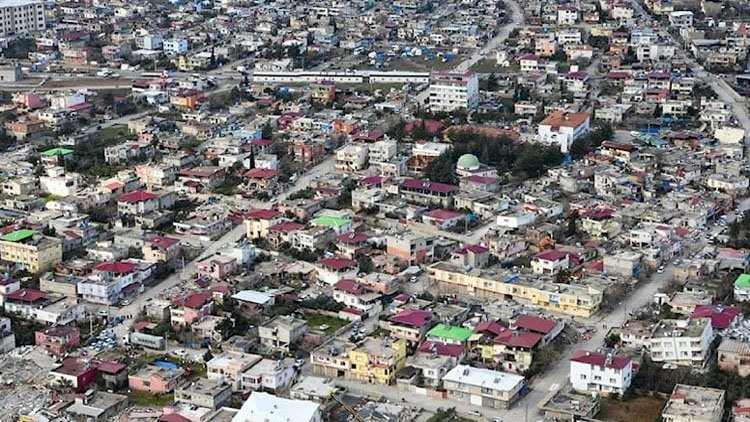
pixel 18 235
pixel 330 221
pixel 743 280
pixel 454 333
pixel 57 151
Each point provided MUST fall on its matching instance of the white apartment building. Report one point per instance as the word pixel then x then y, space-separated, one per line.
pixel 21 17
pixel 681 19
pixel 382 151
pixel 601 372
pixel 563 128
pixel 454 91
pixel 351 158
pixel 681 342
pixel 175 46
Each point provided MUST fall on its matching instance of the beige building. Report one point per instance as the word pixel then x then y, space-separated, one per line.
pixel 689 403
pixel 30 250
pixel 537 292
pixel 482 387
pixel 734 356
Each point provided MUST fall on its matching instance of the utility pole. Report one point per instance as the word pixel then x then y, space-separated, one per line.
pixel 526 412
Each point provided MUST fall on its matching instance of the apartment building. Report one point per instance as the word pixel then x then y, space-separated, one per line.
pixel 734 356
pixel 21 17
pixel 540 293
pixel 30 250
pixel 681 342
pixel 332 359
pixel 281 332
pixel 483 387
pixel 202 392
pixel 562 128
pixel 410 325
pixel 351 158
pixel 58 340
pixel 601 372
pixel 376 361
pixel 229 367
pixel 269 375
pixel 454 91
pixel 412 248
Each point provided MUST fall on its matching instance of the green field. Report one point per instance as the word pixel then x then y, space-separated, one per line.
pixel 333 323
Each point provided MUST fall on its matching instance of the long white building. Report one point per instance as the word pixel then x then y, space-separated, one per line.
pixel 21 17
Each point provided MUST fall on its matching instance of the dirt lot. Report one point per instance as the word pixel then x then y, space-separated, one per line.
pixel 647 409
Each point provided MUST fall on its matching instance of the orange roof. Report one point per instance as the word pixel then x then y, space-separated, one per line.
pixel 561 118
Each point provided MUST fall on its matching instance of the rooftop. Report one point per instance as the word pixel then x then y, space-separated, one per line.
pixel 18 235
pixel 459 334
pixel 485 378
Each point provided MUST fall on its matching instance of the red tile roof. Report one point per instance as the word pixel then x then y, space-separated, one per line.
pixel 262 214
pixel 353 238
pixel 115 267
pixel 26 295
pixel 338 263
pixel 136 196
pixel 560 118
pixel 535 324
pixel 493 327
pixel 518 339
pixel 286 227
pixel 111 367
pixel 372 180
pixel 195 300
pixel 721 316
pixel 429 186
pixel 600 359
pixel 454 350
pixel 477 249
pixel 441 214
pixel 163 241
pixel 258 173
pixel 412 318
pixel 350 286
pixel 551 255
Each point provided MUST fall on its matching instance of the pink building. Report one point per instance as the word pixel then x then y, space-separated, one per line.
pixel 217 267
pixel 189 308
pixel 155 379
pixel 58 340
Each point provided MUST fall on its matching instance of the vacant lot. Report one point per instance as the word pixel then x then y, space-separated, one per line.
pixel 647 409
pixel 333 323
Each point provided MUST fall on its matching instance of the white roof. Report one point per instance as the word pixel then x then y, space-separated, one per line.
pixel 486 378
pixel 252 296
pixel 264 407
pixel 15 3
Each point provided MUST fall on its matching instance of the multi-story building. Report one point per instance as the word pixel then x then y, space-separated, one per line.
pixel 412 248
pixel 259 220
pixel 562 298
pixel 428 193
pixel 351 158
pixel 485 387
pixel 410 325
pixel 281 332
pixel 30 250
pixel 190 308
pixel 562 128
pixel 601 372
pixel 21 17
pixel 161 249
pixel 332 359
pixel 269 375
pixel 454 91
pixel 550 262
pixel 269 408
pixel 7 337
pixel 734 356
pixel 689 403
pixel 357 296
pixel 155 379
pixel 681 342
pixel 376 361
pixel 229 366
pixel 58 340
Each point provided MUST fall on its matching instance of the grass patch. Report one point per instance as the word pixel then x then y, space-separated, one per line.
pixel 146 399
pixel 113 134
pixel 647 408
pixel 333 323
pixel 488 65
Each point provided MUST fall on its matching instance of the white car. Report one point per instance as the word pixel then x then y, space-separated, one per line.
pixel 180 353
pixel 474 413
pixel 660 270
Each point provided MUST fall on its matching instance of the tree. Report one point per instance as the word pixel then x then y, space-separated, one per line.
pixel 267 131
pixel 591 141
pixel 612 340
pixel 365 264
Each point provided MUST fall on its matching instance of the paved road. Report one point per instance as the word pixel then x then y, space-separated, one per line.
pixel 186 274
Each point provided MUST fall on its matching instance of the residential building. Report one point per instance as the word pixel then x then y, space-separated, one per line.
pixel 269 375
pixel 155 379
pixel 203 392
pixel 410 325
pixel 550 262
pixel 376 361
pixel 189 308
pixel 734 356
pixel 161 249
pixel 454 91
pixel 681 342
pixel 483 387
pixel 601 372
pixel 332 359
pixel 562 298
pixel 742 288
pixel 689 403
pixel 7 337
pixel 97 405
pixel 269 408
pixel 229 367
pixel 447 334
pixel 357 296
pixel 75 372
pixel 58 340
pixel 30 250
pixel 428 193
pixel 562 128
pixel 281 332
pixel 21 17
pixel 412 248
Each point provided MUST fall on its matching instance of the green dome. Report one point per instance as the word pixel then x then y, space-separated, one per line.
pixel 468 162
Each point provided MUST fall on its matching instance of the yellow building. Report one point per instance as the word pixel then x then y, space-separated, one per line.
pixel 30 250
pixel 541 293
pixel 376 361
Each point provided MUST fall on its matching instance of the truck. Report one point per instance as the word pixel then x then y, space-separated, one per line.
pixel 147 340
